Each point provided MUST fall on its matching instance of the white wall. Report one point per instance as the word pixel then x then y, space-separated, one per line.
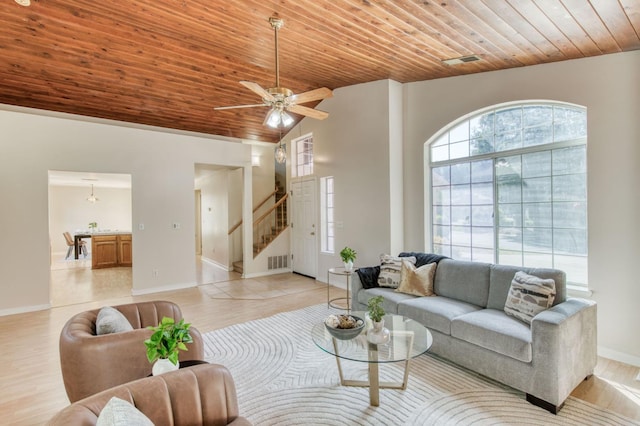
pixel 161 165
pixel 215 217
pixel 70 211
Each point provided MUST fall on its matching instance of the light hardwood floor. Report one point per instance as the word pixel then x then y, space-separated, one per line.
pixel 31 383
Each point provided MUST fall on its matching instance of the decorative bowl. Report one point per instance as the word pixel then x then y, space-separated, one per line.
pixel 343 333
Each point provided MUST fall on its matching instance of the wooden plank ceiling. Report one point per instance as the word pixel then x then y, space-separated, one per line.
pixel 168 63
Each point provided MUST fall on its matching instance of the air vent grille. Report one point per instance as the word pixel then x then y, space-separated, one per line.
pixel 461 60
pixel 277 262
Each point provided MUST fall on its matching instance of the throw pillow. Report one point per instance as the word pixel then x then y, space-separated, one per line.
pixel 119 412
pixel 423 258
pixel 391 270
pixel 528 296
pixel 417 281
pixel 111 320
pixel 369 276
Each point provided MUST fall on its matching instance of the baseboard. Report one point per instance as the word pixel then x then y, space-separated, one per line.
pixel 24 309
pixel 619 356
pixel 136 292
pixel 266 273
pixel 214 263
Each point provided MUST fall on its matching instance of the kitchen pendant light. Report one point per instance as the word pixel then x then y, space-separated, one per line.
pixel 92 198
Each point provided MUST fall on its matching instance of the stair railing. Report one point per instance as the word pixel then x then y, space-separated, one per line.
pixel 262 203
pixel 268 226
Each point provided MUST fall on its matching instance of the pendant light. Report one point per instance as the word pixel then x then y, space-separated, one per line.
pixel 281 152
pixel 92 198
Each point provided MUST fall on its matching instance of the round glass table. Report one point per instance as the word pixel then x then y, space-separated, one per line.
pixel 408 339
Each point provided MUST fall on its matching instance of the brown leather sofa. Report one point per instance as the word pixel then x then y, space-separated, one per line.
pixel 200 395
pixel 92 363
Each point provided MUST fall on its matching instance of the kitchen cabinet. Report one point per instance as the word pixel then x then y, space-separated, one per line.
pixel 111 250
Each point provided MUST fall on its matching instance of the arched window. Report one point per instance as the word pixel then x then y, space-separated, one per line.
pixel 509 186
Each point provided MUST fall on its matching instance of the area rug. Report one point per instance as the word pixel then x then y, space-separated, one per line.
pixel 283 378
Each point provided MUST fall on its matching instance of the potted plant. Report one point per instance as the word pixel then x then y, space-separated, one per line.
pixel 378 334
pixel 93 226
pixel 348 255
pixel 164 345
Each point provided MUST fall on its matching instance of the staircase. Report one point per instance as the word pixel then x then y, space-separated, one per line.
pixel 267 227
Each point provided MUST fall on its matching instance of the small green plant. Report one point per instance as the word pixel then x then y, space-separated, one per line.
pixel 93 225
pixel 167 340
pixel 376 312
pixel 348 254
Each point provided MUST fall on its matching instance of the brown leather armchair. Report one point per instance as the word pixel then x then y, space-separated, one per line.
pixel 200 395
pixel 92 363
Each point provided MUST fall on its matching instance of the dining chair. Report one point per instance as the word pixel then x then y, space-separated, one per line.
pixel 82 245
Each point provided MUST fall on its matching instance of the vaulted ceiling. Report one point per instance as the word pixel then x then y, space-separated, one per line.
pixel 169 63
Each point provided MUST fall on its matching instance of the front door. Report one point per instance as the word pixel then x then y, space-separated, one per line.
pixel 303 231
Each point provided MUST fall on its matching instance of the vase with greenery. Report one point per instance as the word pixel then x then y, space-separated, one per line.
pixel 93 226
pixel 166 342
pixel 348 256
pixel 378 334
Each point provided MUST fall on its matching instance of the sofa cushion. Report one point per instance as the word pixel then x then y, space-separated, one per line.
pixel 528 296
pixel 110 320
pixel 500 282
pixel 435 312
pixel 369 276
pixel 417 281
pixel 423 258
pixel 390 270
pixel 496 331
pixel 463 281
pixel 391 298
pixel 119 412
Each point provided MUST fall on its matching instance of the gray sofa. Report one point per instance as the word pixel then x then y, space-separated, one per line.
pixel 546 360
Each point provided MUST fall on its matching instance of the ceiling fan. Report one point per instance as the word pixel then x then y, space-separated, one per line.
pixel 280 99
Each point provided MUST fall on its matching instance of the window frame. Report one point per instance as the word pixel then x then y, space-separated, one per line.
pixel 327 214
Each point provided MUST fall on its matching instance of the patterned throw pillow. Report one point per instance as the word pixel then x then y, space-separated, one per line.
pixel 391 270
pixel 528 296
pixel 119 412
pixel 417 281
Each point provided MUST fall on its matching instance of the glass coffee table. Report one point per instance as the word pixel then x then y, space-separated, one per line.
pixel 408 339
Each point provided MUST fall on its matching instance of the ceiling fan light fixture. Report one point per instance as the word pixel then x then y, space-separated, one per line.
pixel 287 120
pixel 273 118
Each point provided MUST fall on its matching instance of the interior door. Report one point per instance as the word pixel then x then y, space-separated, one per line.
pixel 304 232
pixel 198 199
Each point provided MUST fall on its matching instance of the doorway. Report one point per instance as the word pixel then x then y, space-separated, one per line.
pixel 76 200
pixel 304 230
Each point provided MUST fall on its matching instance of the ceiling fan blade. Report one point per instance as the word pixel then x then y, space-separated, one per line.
pixel 311 95
pixel 238 106
pixel 309 112
pixel 256 88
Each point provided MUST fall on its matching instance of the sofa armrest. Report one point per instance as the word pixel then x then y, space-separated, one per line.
pixel 564 340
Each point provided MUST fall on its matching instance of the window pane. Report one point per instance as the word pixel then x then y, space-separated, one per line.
pixel 441 234
pixel 461 173
pixel 459 133
pixel 441 215
pixel 570 160
pixel 508 120
pixel 482 237
pixel 460 194
pixel 440 176
pixel 482 125
pixel 461 235
pixel 569 124
pixel 482 171
pixel 481 146
pixel 442 140
pixel 537 215
pixel 482 193
pixel 537 189
pixel 509 193
pixel 461 253
pixel 570 241
pixel 482 216
pixel 537 115
pixel 570 188
pixel 440 153
pixel 482 255
pixel 538 135
pixel 536 164
pixel 574 266
pixel 507 257
pixel 538 260
pixel 570 215
pixel 508 140
pixel 510 238
pixel 442 250
pixel 459 150
pixel 461 215
pixel 441 195
pixel 510 215
pixel 537 240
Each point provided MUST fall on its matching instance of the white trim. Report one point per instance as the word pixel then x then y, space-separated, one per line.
pixel 135 292
pixel 264 274
pixel 216 264
pixel 619 356
pixel 577 291
pixel 24 309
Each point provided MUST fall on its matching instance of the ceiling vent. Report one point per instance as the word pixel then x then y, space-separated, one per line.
pixel 461 60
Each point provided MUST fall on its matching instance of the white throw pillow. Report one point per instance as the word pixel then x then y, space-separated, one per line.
pixel 417 281
pixel 528 296
pixel 391 270
pixel 119 412
pixel 110 320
